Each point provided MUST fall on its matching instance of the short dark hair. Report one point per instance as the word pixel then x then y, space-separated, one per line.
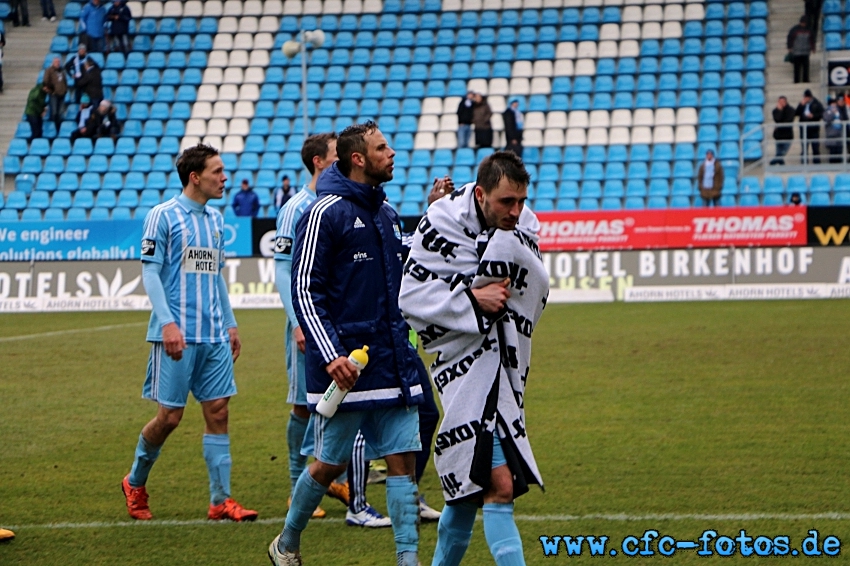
pixel 501 164
pixel 352 140
pixel 314 146
pixel 194 160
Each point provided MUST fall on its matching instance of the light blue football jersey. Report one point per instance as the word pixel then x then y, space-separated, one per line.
pixel 287 219
pixel 187 239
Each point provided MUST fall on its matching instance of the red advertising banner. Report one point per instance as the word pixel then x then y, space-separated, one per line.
pixel 673 228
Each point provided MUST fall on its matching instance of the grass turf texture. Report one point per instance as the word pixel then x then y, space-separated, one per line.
pixel 684 408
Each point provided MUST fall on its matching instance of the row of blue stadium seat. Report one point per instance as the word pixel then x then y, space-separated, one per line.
pixel 150 26
pixel 201 42
pixel 833 41
pixel 138 60
pixel 835 7
pixel 72 214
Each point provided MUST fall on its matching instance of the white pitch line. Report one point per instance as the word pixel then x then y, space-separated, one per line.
pixel 524 518
pixel 69 331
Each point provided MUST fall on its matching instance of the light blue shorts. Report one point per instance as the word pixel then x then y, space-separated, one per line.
pixel 295 372
pixel 205 369
pixel 393 430
pixel 498 454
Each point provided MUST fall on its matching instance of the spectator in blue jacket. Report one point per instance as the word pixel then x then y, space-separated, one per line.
pixel 346 278
pixel 92 19
pixel 119 17
pixel 246 202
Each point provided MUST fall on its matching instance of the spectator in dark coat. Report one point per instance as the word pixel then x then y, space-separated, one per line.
pixel 782 114
pixel 464 119
pixel 801 43
pixel 481 114
pixel 20 14
pixel 834 118
pixel 83 116
pixel 75 67
pixel 810 110
pixel 246 202
pixel 48 11
pixel 103 122
pixel 2 45
pixel 91 83
pixel 119 17
pixel 513 128
pixel 710 179
pixel 57 87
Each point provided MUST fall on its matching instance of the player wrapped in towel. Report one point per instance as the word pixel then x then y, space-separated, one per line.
pixel 483 358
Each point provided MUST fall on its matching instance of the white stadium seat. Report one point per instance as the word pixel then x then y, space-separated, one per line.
pixel 249 24
pixel 608 50
pixel 202 111
pixel 541 85
pixel 352 7
pixel 272 8
pixel 592 3
pixel 498 86
pixel 630 30
pixel 332 7
pixel 629 48
pixel 228 25
pixel 600 119
pixel 153 9
pixel 208 93
pixel 621 117
pixel 213 9
pixel 694 12
pixel 532 138
pixel 512 4
pixel 172 9
pixel 452 5
pixel 477 85
pixel 542 68
pixel 651 30
pixel 136 9
pixel 263 41
pixel 497 122
pixel 223 109
pixel 576 137
pixel 424 140
pixel 587 50
pixel 653 13
pixel 249 92
pixel 259 58
pixel 632 14
pixel 255 75
pixel 238 127
pixel 233 144
pixel 373 6
pixel 687 117
pixel 471 5
pixel 196 127
pixel 446 140
pixel 665 117
pixel 312 7
pixel 609 32
pixel 612 2
pixel 671 30
pixel 292 7
pixel 620 135
pixel 522 69
pixel 223 41
pixel 585 67
pixel 565 50
pixel 532 4
pixel 674 13
pixel 213 141
pixel 641 134
pixel 238 58
pixel 498 103
pixel 432 105
pixel 252 8
pixel 448 123
pixel 573 3
pixel 663 134
pixel 556 119
pixel 189 141
pixel 553 137
pixel 492 5
pixel 243 109
pixel 535 120
pixel 193 9
pixel 686 134
pixel 597 136
pixel 552 3
pixel 429 123
pixel 269 24
pixel 564 68
pixel 643 117
pixel 579 119
pixel 518 87
pixel 228 92
pixel 213 75
pixel 243 41
pixel 233 76
pixel 233 8
pixel 450 104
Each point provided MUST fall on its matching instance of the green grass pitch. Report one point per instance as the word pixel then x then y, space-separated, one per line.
pixel 682 410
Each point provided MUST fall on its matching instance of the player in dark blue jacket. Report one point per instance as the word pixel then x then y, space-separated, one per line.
pixel 346 276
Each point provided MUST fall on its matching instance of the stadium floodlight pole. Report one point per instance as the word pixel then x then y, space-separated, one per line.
pixel 315 38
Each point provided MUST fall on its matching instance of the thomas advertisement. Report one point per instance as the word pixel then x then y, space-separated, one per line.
pixel 95 240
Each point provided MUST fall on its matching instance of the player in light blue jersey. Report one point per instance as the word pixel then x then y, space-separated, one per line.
pixel 192 330
pixel 318 154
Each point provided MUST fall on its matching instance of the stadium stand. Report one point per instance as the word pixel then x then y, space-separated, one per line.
pixel 621 99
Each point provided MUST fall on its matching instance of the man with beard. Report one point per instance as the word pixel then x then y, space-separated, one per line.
pixel 346 276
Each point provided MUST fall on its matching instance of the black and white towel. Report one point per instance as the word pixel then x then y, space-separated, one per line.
pixel 482 360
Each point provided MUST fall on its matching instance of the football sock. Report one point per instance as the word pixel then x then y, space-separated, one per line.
pixel 502 534
pixel 453 533
pixel 295 431
pixel 306 497
pixel 217 456
pixel 146 455
pixel 403 506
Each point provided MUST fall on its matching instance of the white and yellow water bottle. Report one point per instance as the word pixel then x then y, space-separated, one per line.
pixel 334 395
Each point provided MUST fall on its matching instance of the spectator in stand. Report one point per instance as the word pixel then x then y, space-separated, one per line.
pixel 813 8
pixel 481 114
pixel 103 122
pixel 796 199
pixel 36 109
pixel 2 45
pixel 20 14
pixel 710 179
pixel 83 116
pixel 513 128
pixel 834 118
pixel 57 87
pixel 92 19
pixel 119 17
pixel 246 202
pixel 800 43
pixel 91 83
pixel 48 11
pixel 464 119
pixel 283 193
pixel 782 114
pixel 810 110
pixel 75 68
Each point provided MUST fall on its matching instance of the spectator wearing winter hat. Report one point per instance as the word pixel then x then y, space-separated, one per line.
pixel 513 128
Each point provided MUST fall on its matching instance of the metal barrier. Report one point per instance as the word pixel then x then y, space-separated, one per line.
pixel 757 149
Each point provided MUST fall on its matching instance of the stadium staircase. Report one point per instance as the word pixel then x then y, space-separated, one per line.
pixel 23 56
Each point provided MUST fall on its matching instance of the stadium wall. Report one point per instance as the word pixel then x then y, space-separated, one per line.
pixel 695 274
